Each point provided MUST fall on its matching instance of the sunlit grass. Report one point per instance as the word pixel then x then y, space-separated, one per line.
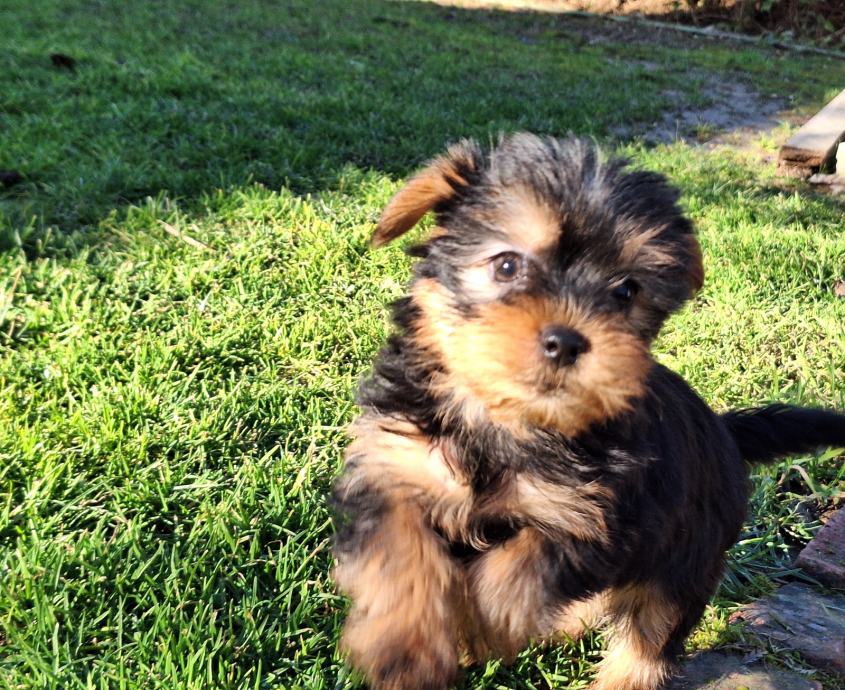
pixel 173 409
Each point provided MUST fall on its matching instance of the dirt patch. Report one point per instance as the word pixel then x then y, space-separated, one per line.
pixel 737 115
pixel 818 20
pixel 590 29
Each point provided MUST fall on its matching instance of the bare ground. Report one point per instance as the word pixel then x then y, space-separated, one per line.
pixel 738 115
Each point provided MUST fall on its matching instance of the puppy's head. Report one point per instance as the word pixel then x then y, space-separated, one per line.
pixel 548 274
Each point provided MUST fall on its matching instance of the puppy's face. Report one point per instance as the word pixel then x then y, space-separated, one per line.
pixel 545 280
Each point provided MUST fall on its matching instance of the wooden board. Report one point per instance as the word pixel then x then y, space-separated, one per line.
pixel 816 141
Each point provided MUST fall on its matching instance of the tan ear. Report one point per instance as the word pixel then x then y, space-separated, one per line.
pixel 696 271
pixel 436 183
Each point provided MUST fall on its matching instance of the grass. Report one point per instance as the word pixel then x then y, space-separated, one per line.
pixel 172 411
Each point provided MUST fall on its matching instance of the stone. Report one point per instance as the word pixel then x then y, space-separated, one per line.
pixel 9 178
pixel 798 618
pixel 715 671
pixel 63 61
pixel 823 178
pixel 824 556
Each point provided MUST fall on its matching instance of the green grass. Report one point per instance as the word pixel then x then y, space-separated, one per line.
pixel 172 413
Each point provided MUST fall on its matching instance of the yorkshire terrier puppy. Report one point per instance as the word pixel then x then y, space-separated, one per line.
pixel 522 467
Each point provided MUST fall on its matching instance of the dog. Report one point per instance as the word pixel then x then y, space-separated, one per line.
pixel 522 468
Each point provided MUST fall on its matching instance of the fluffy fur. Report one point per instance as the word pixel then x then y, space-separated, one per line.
pixel 522 467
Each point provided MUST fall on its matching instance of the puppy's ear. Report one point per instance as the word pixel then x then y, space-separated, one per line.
pixel 696 264
pixel 439 181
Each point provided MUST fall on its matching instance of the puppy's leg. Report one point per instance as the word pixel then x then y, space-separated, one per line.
pixel 509 586
pixel 408 593
pixel 639 656
pixel 577 617
pixel 403 628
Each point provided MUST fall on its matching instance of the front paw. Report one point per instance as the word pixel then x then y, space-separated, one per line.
pixel 395 656
pixel 509 589
pixel 415 668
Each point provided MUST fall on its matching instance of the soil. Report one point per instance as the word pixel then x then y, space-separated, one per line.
pixel 737 116
pixel 822 21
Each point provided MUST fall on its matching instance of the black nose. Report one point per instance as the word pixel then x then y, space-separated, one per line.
pixel 563 345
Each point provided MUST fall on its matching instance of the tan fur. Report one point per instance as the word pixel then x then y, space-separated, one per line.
pixel 641 249
pixel 494 365
pixel 558 509
pixel 408 615
pixel 696 269
pixel 507 586
pixel 397 448
pixel 404 626
pixel 577 617
pixel 643 622
pixel 623 668
pixel 528 222
pixel 401 462
pixel 423 192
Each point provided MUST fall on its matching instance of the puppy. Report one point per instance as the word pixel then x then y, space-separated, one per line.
pixel 522 467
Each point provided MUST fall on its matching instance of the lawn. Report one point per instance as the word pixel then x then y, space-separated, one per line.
pixel 187 301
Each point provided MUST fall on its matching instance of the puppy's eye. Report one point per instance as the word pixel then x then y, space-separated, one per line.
pixel 507 267
pixel 625 291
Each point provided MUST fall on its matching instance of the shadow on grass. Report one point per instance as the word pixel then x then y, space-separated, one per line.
pixel 179 101
pixel 179 415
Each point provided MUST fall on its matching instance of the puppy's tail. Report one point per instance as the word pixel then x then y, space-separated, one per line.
pixel 765 434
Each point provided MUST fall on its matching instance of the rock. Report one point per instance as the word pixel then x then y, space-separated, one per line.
pixel 62 61
pixel 9 178
pixel 820 178
pixel 824 557
pixel 714 671
pixel 798 618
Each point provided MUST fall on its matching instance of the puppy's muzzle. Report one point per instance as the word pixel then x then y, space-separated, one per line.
pixel 562 346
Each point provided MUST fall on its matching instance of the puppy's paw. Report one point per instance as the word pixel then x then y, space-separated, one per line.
pixel 400 667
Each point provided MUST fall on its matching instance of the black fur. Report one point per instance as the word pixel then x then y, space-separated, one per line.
pixel 658 500
pixel 601 204
pixel 674 472
pixel 765 434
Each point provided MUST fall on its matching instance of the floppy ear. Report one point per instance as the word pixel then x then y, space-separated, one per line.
pixel 437 182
